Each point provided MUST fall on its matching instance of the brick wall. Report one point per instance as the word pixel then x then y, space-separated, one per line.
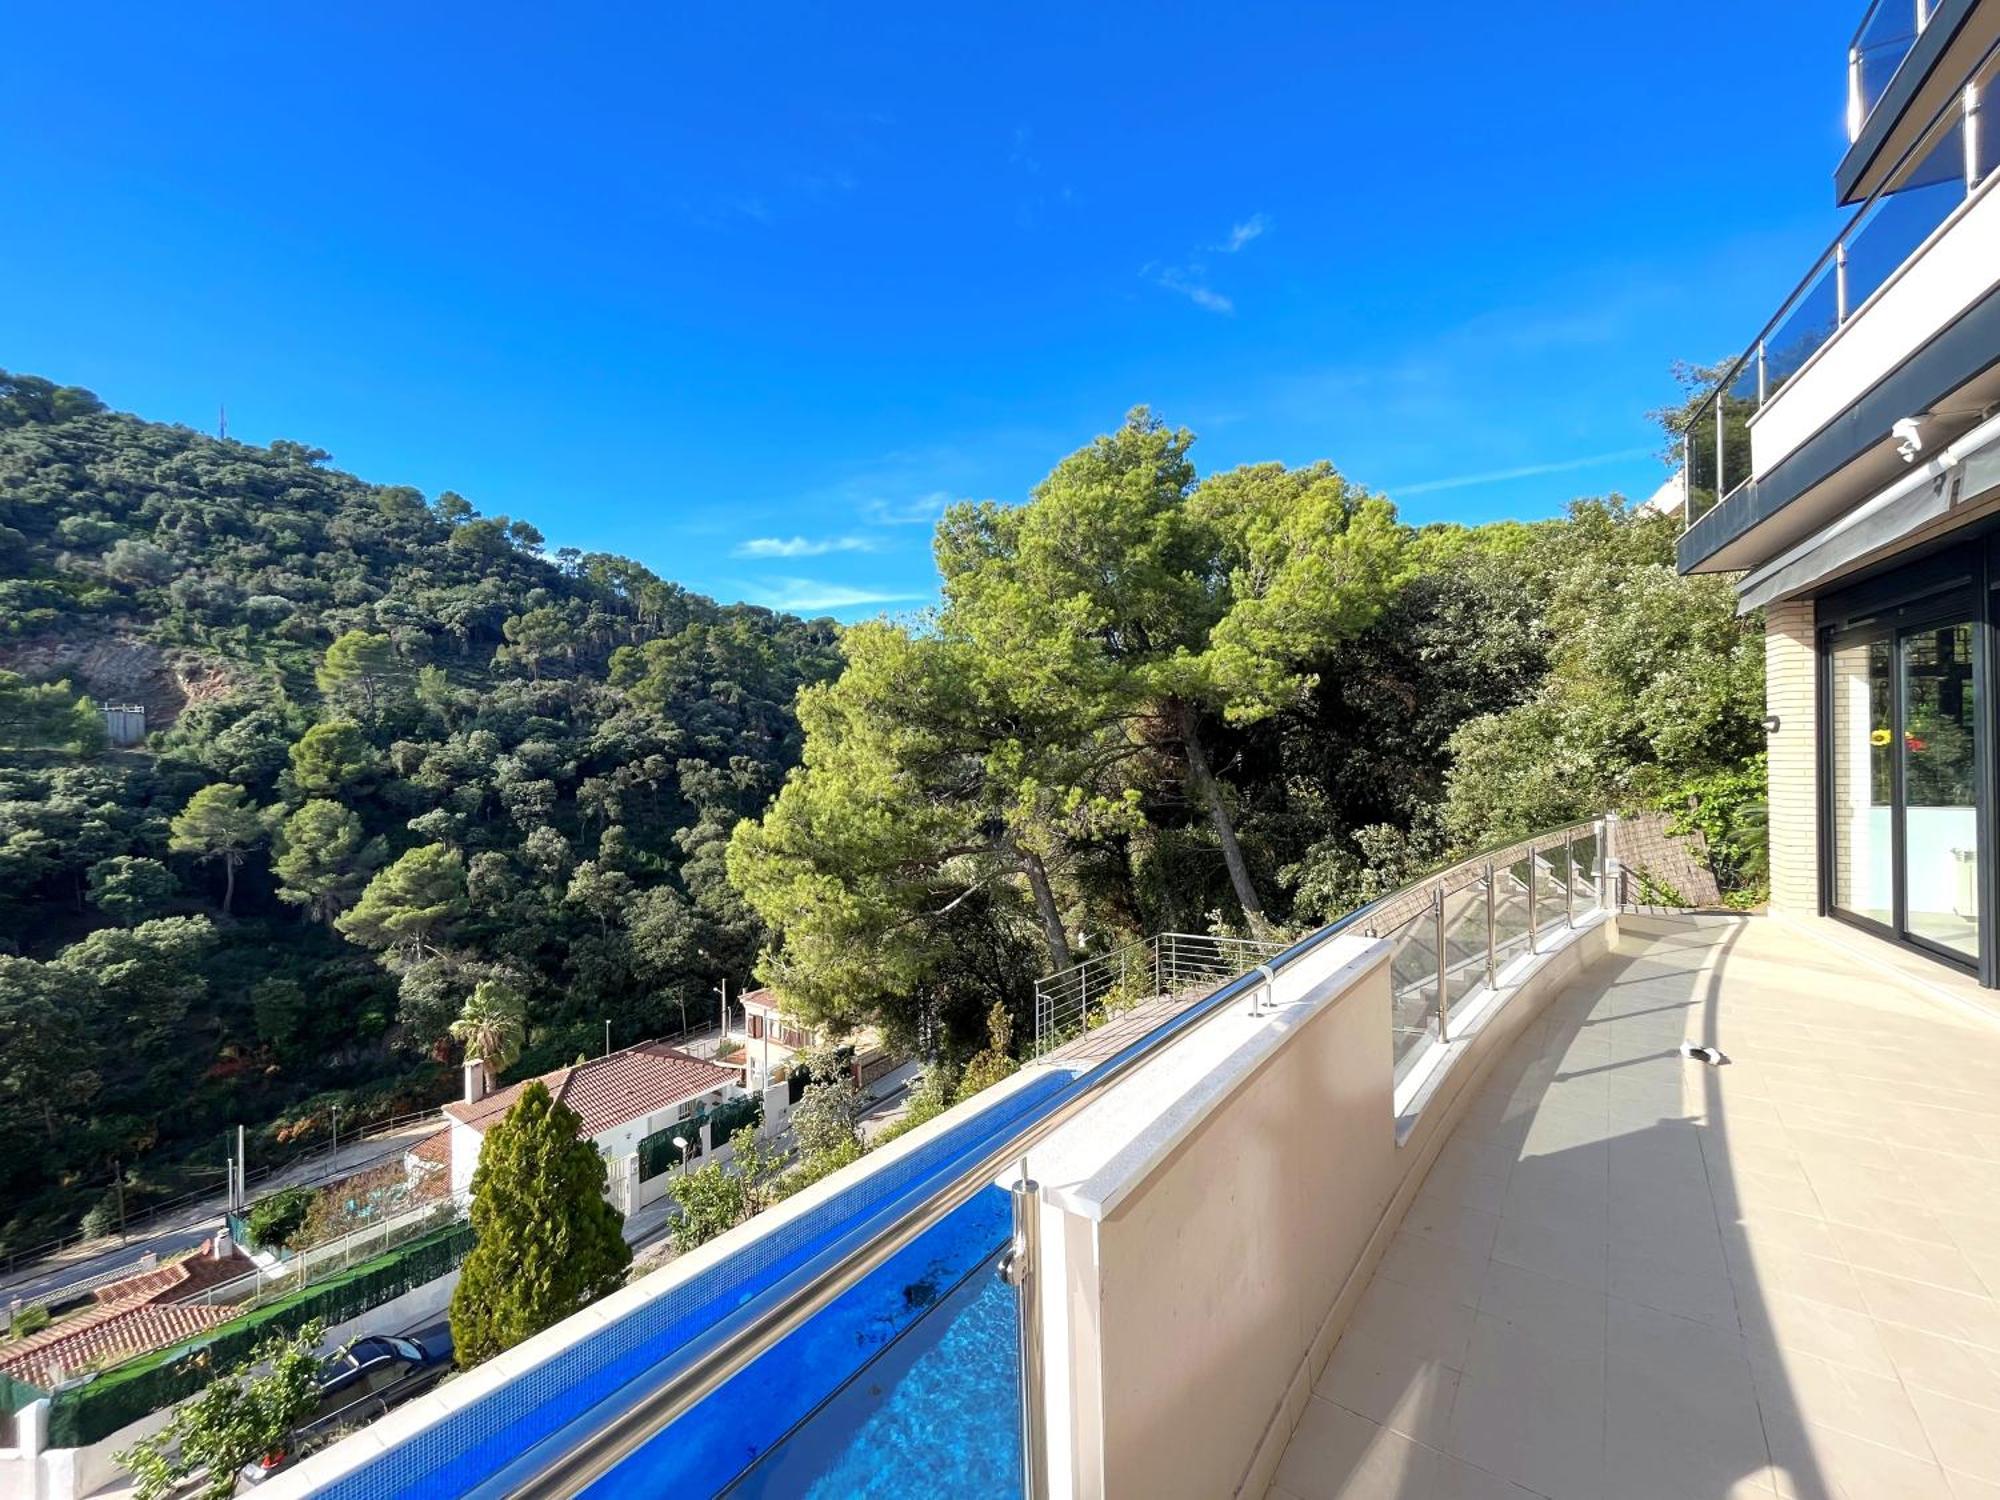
pixel 1789 684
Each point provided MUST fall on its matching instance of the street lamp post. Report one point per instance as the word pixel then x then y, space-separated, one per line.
pixel 335 1149
pixel 681 1145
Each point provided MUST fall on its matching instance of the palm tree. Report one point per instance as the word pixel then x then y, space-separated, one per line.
pixel 492 1025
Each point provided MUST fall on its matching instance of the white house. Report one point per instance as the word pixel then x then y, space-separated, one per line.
pixel 771 1039
pixel 630 1101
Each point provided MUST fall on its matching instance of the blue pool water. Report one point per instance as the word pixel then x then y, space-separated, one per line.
pixel 936 1414
pixel 559 1403
pixel 805 1422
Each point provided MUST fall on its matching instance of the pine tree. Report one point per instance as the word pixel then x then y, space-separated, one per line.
pixel 549 1243
pixel 219 823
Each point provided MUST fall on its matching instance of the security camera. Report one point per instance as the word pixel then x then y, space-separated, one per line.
pixel 1909 439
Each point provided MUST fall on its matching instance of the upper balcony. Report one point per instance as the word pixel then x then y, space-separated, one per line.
pixel 1433 1203
pixel 1906 59
pixel 1898 320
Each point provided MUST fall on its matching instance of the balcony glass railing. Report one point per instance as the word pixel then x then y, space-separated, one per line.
pixel 1881 42
pixel 1956 154
pixel 913 1345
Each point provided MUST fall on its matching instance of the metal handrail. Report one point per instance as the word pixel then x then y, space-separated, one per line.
pixel 1834 254
pixel 732 1344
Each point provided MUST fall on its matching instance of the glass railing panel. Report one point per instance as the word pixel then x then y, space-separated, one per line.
pixel 1986 129
pixel 1510 910
pixel 938 1407
pixel 1807 324
pixel 1735 406
pixel 1551 888
pixel 1895 224
pixel 1703 478
pixel 1887 33
pixel 1584 870
pixel 1413 980
pixel 1464 941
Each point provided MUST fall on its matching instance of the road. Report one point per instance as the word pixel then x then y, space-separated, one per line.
pixel 48 1279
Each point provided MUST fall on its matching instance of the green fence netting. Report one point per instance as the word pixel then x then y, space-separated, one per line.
pixel 16 1395
pixel 120 1396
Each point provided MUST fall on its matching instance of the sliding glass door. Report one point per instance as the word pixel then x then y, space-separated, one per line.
pixel 1938 810
pixel 1903 724
pixel 1862 769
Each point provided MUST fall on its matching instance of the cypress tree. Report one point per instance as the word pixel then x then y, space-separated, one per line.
pixel 549 1243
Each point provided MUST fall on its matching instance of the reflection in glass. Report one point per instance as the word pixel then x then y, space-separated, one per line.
pixel 1940 827
pixel 1860 771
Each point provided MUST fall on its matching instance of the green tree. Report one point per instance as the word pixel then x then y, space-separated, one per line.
pixel 129 889
pixel 48 1050
pixel 360 671
pixel 1163 610
pixel 219 826
pixel 237 1419
pixel 827 1116
pixel 1654 680
pixel 322 858
pixel 332 756
pixel 493 1025
pixel 52 717
pixel 548 1242
pixel 995 1060
pixel 406 906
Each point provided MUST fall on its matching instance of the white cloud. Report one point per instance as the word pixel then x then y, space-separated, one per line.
pixel 800 546
pixel 1190 283
pixel 1242 234
pixel 1191 280
pixel 1526 471
pixel 919 510
pixel 811 595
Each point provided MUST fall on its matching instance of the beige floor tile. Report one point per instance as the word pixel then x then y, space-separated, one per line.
pixel 1336 1455
pixel 1455 1479
pixel 1819 1463
pixel 1774 1319
pixel 1914 1260
pixel 1417 1261
pixel 1532 1412
pixel 1544 1307
pixel 1794 1390
pixel 1453 1224
pixel 1392 1385
pixel 1965 1487
pixel 1667 1284
pixel 1931 1362
pixel 1758 1267
pixel 1917 1304
pixel 1561 1250
pixel 1421 1321
pixel 1965 1438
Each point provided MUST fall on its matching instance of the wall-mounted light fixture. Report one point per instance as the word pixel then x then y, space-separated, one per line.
pixel 1770 723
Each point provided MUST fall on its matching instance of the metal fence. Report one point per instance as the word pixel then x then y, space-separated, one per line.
pixel 1163 966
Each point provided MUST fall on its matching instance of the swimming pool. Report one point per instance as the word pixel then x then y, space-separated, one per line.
pixel 890 1390
pixel 482 1447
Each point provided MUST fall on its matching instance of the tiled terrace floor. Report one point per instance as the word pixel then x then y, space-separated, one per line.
pixel 1630 1276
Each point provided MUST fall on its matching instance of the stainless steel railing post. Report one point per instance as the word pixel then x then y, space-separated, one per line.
pixel 1492 957
pixel 1021 1268
pixel 1444 977
pixel 1569 883
pixel 1532 917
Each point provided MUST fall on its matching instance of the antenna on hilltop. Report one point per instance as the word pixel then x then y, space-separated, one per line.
pixel 222 422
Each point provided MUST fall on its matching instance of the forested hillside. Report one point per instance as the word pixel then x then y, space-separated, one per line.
pixel 407 769
pixel 397 750
pixel 1243 702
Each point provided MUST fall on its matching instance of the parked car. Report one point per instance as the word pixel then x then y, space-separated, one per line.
pixel 358 1385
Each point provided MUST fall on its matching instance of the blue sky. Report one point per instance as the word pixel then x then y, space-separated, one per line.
pixel 747 292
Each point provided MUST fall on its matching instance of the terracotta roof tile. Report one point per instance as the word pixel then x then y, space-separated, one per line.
pixel 609 1091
